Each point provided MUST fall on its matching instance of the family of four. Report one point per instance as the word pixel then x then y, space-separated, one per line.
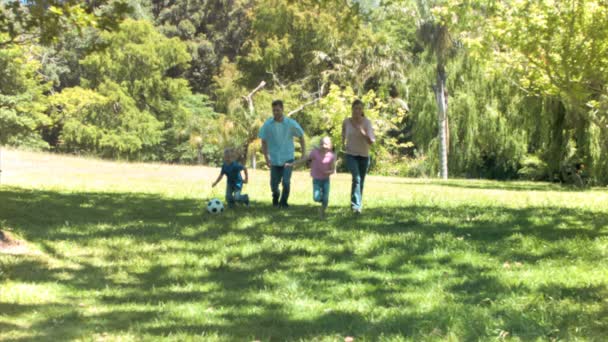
pixel 277 135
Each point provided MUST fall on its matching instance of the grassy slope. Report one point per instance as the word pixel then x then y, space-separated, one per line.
pixel 127 253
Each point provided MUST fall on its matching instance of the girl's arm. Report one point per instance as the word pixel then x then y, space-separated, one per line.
pixel 298 162
pixel 334 167
pixel 219 178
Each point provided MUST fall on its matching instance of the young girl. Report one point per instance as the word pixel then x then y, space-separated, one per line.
pixel 323 165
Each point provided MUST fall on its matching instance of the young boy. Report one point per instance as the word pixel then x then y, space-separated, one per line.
pixel 323 165
pixel 234 182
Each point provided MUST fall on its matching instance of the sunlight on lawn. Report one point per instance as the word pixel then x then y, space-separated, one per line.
pixel 127 253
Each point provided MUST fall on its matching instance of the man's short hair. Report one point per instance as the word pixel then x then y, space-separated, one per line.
pixel 277 103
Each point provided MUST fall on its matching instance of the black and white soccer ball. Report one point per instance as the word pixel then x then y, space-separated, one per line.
pixel 215 206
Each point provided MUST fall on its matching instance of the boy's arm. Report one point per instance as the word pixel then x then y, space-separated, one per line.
pixel 246 179
pixel 219 178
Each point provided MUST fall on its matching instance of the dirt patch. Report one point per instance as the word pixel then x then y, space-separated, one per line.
pixel 9 244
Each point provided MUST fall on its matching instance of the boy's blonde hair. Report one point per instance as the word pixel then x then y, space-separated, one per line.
pixel 232 152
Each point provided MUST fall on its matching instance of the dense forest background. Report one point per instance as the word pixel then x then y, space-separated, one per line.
pixel 524 83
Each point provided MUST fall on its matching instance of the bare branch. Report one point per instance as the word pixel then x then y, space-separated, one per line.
pixel 303 106
pixel 249 97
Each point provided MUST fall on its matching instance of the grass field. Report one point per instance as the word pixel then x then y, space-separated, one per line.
pixel 125 252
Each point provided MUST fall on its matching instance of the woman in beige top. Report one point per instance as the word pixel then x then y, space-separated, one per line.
pixel 357 137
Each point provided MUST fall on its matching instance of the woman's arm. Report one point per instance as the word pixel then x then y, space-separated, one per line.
pixel 367 131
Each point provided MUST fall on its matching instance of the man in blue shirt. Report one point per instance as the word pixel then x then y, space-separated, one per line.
pixel 277 135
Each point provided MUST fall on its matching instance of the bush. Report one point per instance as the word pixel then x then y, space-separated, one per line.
pixel 417 167
pixel 533 169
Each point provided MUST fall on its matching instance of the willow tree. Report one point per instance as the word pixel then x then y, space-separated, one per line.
pixel 559 49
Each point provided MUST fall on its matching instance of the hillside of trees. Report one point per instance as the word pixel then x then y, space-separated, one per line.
pixel 474 89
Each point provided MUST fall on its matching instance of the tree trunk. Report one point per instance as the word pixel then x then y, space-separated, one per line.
pixel 440 95
pixel 200 154
pixel 253 161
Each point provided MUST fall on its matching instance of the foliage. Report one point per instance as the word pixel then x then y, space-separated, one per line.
pixel 22 100
pixel 105 121
pixel 559 51
pixel 130 75
pixel 534 169
pixel 45 20
pixel 212 29
pixel 523 78
pixel 285 36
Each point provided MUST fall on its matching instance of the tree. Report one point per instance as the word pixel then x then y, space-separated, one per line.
pixel 43 21
pixel 559 51
pixel 434 32
pixel 132 74
pixel 105 122
pixel 284 35
pixel 22 101
pixel 212 29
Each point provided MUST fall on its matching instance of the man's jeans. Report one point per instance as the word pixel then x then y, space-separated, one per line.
pixel 280 174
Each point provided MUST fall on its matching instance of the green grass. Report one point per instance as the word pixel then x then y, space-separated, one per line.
pixel 125 252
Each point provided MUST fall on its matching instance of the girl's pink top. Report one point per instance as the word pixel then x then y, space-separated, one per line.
pixel 321 163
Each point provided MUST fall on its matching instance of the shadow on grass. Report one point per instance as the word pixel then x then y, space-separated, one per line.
pixel 374 260
pixel 493 185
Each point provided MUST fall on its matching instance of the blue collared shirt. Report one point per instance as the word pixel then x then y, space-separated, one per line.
pixel 279 138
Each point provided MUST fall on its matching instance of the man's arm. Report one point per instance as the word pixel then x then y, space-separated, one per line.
pixel 302 160
pixel 343 132
pixel 265 152
pixel 303 146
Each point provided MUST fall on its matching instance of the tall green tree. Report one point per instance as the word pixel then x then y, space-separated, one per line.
pixel 559 50
pixel 434 32
pixel 133 74
pixel 212 29
pixel 22 100
pixel 43 21
pixel 285 35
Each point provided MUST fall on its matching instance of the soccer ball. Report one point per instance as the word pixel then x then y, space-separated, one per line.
pixel 215 206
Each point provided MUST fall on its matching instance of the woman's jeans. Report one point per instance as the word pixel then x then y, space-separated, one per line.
pixel 358 167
